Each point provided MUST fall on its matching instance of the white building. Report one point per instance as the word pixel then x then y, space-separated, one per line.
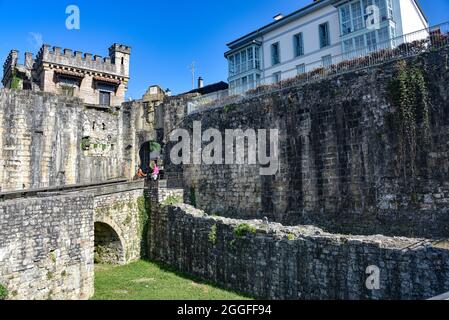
pixel 317 36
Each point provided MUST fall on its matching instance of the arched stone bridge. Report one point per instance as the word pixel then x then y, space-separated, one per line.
pixel 117 208
pixel 54 236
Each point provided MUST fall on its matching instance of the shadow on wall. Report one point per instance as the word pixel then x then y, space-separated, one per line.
pixel 108 246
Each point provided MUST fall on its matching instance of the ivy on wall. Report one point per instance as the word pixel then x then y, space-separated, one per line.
pixel 16 82
pixel 409 95
pixel 143 207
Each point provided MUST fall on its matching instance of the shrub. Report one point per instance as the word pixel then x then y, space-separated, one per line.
pixel 3 292
pixel 213 234
pixel 155 147
pixel 229 107
pixel 172 200
pixel 243 229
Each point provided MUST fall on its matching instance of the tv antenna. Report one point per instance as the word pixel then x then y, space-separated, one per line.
pixel 192 68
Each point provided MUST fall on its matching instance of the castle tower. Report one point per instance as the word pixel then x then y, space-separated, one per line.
pixel 120 56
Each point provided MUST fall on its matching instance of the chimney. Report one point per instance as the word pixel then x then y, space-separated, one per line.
pixel 278 17
pixel 200 82
pixel 29 61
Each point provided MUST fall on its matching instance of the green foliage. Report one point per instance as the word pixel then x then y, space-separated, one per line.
pixel 3 292
pixel 85 144
pixel 213 234
pixel 229 107
pixel 144 214
pixel 192 197
pixel 144 280
pixel 409 95
pixel 127 221
pixel 53 257
pixel 154 147
pixel 243 229
pixel 291 237
pixel 16 82
pixel 172 200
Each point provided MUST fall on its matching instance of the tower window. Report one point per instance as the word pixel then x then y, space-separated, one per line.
pixel 105 98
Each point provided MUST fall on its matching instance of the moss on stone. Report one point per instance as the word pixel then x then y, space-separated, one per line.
pixel 213 234
pixel 243 229
pixel 3 292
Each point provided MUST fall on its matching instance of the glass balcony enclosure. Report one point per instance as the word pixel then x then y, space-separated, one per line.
pixel 360 29
pixel 244 68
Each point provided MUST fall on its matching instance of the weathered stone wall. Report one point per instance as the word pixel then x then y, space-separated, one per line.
pixel 124 212
pixel 141 130
pixel 49 140
pixel 46 247
pixel 277 262
pixel 340 165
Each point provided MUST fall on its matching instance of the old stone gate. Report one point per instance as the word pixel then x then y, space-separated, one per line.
pixel 50 239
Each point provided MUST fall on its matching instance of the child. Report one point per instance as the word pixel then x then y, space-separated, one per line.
pixel 155 171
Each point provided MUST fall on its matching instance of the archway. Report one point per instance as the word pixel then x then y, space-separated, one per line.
pixel 108 246
pixel 148 152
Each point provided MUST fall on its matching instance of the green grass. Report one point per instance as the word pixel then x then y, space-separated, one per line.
pixel 144 280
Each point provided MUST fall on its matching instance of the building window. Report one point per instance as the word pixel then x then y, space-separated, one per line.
pixel 277 77
pixel 324 35
pixel 384 37
pixel 359 42
pixel 243 62
pixel 231 66
pixel 357 16
pixel 257 57
pixel 389 9
pixel 327 61
pixel 105 98
pixel 237 63
pixel 371 41
pixel 301 68
pixel 68 91
pixel 245 84
pixel 345 18
pixel 298 44
pixel 348 45
pixel 275 53
pixel 250 55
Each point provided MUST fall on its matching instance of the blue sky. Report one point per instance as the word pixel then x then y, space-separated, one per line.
pixel 166 36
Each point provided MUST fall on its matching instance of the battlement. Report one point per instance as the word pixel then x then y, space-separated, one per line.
pixel 11 60
pixel 120 48
pixel 78 59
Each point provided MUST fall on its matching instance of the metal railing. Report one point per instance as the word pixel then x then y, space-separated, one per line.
pixel 400 47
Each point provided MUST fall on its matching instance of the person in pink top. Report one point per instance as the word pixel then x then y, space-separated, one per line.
pixel 155 171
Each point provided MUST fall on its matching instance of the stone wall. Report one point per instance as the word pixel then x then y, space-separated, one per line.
pixel 340 156
pixel 49 140
pixel 46 247
pixel 277 262
pixel 124 212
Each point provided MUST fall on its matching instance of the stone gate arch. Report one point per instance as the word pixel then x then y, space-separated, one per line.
pixel 109 244
pixel 147 154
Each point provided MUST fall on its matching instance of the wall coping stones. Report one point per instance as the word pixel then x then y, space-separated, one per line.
pixel 282 232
